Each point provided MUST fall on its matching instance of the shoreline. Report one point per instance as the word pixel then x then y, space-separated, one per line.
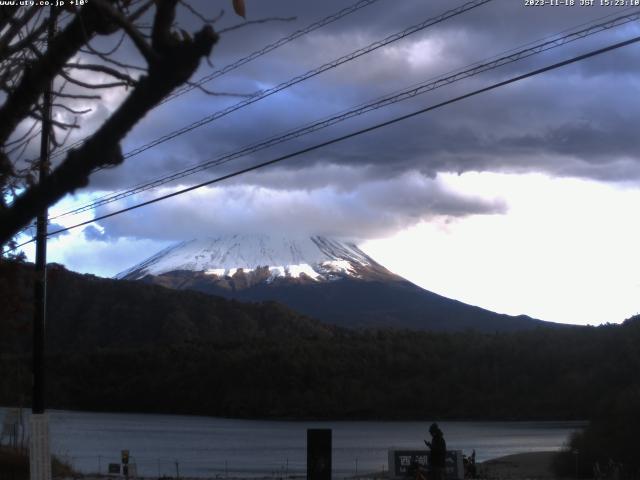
pixel 519 465
pixel 299 419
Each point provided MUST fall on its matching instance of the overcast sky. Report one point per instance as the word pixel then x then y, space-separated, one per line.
pixel 522 200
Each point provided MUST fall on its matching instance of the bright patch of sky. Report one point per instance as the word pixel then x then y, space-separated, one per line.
pixel 566 251
pixel 555 239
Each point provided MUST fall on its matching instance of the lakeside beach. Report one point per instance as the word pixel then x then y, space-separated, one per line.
pixel 207 447
pixel 519 466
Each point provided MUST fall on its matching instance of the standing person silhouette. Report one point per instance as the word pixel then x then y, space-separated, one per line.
pixel 437 453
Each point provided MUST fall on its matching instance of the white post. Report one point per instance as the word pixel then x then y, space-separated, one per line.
pixel 39 450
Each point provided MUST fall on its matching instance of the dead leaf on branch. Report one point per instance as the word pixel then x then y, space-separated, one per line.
pixel 238 7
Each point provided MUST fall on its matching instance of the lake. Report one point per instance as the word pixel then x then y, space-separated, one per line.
pixel 161 445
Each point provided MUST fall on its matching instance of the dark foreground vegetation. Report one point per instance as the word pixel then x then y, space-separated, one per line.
pixel 121 346
pixel 14 465
pixel 609 446
pixel 540 375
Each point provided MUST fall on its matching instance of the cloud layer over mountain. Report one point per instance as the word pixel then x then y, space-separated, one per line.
pixel 579 121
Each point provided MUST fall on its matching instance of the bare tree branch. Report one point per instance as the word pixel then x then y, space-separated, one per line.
pixel 218 94
pixel 22 147
pixel 127 25
pixel 45 68
pixel 26 134
pixel 25 140
pixel 6 15
pixel 93 86
pixel 199 15
pixel 253 22
pixel 71 110
pixel 14 29
pixel 8 50
pixel 103 69
pixel 177 61
pixel 140 11
pixel 57 123
pixel 92 51
pixel 161 35
pixel 77 96
pixel 126 66
pixel 66 137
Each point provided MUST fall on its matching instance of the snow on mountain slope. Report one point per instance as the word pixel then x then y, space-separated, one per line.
pixel 317 258
pixel 326 279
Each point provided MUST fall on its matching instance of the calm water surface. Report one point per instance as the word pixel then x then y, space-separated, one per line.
pixel 210 447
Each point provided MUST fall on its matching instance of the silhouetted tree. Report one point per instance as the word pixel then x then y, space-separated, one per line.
pixel 29 63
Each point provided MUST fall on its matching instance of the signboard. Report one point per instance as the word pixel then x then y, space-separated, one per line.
pixel 319 454
pixel 402 463
pixel 114 468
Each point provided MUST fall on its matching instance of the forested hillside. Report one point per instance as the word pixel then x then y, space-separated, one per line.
pixel 134 347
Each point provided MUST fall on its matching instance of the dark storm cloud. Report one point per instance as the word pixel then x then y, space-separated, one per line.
pixel 51 227
pixel 91 232
pixel 578 121
pixel 373 209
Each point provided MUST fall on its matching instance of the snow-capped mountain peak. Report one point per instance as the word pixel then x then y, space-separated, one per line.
pixel 327 279
pixel 312 258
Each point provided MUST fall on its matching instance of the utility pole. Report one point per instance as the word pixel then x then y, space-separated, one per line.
pixel 39 449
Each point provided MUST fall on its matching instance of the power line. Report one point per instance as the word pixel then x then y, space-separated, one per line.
pixel 317 146
pixel 309 74
pixel 411 92
pixel 269 48
pixel 252 56
pixel 335 63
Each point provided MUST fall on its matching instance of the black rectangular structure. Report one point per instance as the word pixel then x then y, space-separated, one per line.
pixel 319 454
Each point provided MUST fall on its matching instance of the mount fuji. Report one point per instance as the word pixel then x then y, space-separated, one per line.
pixel 324 278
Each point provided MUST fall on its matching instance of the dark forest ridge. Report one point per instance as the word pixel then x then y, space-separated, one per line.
pixel 130 346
